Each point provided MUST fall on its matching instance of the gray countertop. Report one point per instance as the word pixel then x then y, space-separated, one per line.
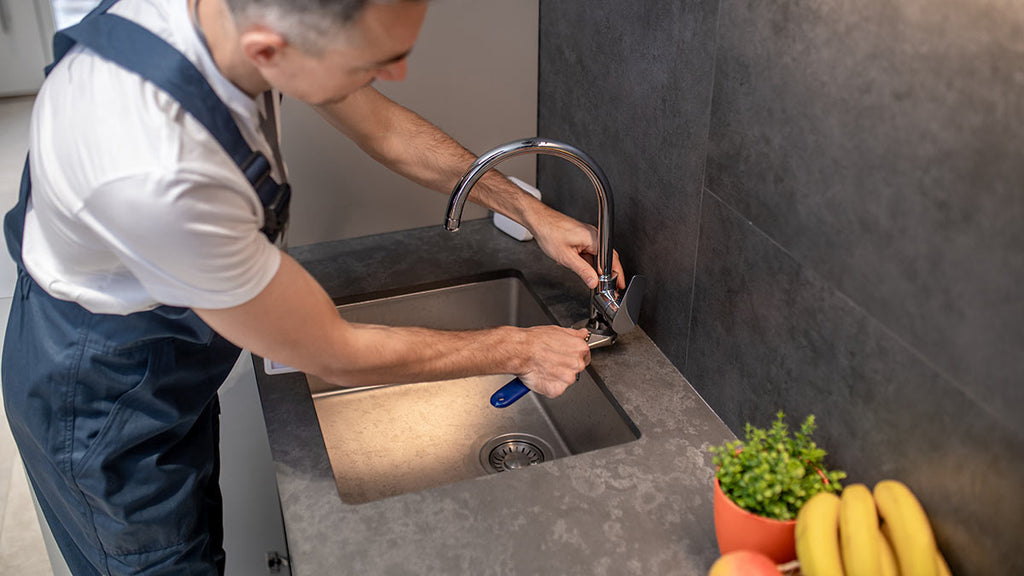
pixel 639 508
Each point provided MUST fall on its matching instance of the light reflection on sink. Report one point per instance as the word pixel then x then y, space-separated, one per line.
pixel 388 440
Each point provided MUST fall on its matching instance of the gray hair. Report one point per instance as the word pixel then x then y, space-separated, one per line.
pixel 306 23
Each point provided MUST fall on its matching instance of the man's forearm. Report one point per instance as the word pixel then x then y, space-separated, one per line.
pixel 294 322
pixel 413 147
pixel 418 150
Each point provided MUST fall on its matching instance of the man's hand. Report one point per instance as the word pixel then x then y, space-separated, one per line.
pixel 571 243
pixel 554 359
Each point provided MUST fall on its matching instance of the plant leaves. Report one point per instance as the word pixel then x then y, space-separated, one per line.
pixel 771 472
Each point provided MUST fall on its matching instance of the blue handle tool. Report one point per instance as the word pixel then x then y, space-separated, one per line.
pixel 509 393
pixel 515 389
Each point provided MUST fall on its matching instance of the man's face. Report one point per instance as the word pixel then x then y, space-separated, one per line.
pixel 374 46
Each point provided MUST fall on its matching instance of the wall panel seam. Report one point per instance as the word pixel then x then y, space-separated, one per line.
pixel 693 285
pixel 947 379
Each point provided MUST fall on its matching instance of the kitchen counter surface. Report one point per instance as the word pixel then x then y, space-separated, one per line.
pixel 639 508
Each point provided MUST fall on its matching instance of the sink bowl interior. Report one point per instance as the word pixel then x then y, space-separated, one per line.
pixel 388 440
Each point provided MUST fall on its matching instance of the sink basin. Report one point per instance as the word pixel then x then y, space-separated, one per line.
pixel 388 440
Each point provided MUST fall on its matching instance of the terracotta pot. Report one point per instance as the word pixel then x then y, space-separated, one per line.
pixel 738 529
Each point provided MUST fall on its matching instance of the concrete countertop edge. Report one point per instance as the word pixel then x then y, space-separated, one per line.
pixel 644 507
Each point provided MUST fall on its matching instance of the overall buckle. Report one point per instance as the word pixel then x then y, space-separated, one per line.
pixel 274 197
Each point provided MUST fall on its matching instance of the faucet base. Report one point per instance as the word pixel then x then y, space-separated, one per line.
pixel 600 336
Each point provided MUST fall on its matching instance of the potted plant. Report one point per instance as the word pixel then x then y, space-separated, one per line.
pixel 761 483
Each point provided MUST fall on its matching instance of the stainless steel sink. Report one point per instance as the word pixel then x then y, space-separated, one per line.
pixel 388 440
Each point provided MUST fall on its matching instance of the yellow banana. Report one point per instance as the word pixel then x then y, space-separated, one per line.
pixel 907 528
pixel 887 565
pixel 817 536
pixel 858 531
pixel 940 564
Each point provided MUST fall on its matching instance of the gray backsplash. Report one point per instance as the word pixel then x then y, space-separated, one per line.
pixel 828 199
pixel 638 103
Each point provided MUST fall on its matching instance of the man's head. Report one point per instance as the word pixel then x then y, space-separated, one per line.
pixel 320 51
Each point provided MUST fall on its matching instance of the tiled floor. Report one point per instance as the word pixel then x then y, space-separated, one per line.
pixel 22 551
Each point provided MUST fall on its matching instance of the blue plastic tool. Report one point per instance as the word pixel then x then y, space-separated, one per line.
pixel 509 393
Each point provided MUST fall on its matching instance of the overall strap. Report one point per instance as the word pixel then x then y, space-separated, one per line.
pixel 62 43
pixel 138 50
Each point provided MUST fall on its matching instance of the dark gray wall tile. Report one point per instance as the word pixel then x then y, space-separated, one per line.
pixel 769 334
pixel 878 148
pixel 882 143
pixel 630 83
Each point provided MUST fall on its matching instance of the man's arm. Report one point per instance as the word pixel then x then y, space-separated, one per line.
pixel 409 145
pixel 294 322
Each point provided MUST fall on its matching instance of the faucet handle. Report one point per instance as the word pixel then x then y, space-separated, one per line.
pixel 628 314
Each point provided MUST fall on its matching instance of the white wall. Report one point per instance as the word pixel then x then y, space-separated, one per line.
pixel 473 72
pixel 25 29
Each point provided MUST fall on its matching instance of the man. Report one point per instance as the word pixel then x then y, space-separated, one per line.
pixel 143 239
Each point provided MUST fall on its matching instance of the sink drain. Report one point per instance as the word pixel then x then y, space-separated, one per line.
pixel 512 451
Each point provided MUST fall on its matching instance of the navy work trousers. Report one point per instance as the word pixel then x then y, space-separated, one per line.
pixel 116 419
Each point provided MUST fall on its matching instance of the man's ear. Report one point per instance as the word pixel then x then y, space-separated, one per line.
pixel 262 46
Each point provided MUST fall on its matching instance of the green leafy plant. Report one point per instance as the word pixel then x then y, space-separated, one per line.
pixel 772 473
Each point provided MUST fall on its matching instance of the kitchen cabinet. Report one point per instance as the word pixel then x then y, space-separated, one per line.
pixel 25 32
pixel 253 527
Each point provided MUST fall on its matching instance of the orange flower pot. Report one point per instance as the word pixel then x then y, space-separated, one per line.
pixel 737 529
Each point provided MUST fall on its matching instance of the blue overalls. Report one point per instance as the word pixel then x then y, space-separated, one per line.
pixel 116 417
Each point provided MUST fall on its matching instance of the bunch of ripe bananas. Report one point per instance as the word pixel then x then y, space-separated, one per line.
pixel 841 536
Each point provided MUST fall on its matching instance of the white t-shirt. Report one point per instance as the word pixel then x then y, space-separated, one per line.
pixel 134 204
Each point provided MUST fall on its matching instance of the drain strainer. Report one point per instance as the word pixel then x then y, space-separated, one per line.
pixel 512 451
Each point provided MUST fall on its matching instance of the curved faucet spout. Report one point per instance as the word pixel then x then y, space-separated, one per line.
pixel 489 160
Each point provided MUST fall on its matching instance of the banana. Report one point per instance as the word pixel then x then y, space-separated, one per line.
pixel 887 558
pixel 817 536
pixel 940 564
pixel 907 528
pixel 858 531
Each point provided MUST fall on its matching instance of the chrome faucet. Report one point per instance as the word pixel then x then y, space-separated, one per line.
pixel 610 315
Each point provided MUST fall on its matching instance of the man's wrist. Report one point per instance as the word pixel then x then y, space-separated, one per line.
pixel 512 342
pixel 502 195
pixel 532 213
